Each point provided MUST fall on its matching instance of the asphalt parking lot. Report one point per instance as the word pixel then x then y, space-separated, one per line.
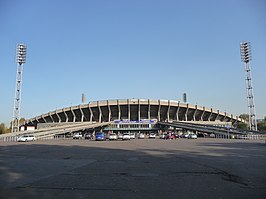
pixel 182 168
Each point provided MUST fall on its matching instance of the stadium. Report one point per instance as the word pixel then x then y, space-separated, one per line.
pixel 130 115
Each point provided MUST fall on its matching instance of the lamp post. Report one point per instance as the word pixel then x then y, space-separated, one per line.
pixel 20 59
pixel 245 51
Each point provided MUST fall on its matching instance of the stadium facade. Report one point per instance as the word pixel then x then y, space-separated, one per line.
pixel 133 110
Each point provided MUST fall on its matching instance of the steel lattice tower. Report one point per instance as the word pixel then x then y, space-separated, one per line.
pixel 245 50
pixel 21 59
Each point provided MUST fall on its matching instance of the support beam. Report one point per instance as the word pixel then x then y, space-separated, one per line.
pixel 128 104
pixel 186 113
pixel 168 111
pixel 100 112
pixel 201 117
pixel 91 113
pixel 177 111
pixel 59 119
pixel 209 118
pixel 82 114
pixel 119 110
pixel 65 115
pixel 194 114
pixel 109 111
pixel 74 116
pixel 149 109
pixel 159 111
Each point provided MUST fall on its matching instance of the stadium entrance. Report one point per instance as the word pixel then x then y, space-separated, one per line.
pixel 129 126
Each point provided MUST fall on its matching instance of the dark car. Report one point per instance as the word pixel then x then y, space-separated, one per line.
pixel 88 136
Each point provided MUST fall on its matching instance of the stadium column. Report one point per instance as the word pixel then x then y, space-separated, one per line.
pixel 74 116
pixel 91 113
pixel 44 119
pixel 177 111
pixel 139 110
pixel 186 113
pixel 59 119
pixel 217 116
pixel 65 115
pixel 109 111
pixel 225 115
pixel 82 114
pixel 128 104
pixel 37 119
pixel 201 117
pixel 159 110
pixel 51 117
pixel 195 111
pixel 149 109
pixel 209 118
pixel 100 112
pixel 119 111
pixel 168 111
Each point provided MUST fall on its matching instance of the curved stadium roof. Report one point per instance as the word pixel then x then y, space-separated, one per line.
pixel 133 109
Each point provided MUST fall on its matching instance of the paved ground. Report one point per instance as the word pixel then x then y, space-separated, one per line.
pixel 202 168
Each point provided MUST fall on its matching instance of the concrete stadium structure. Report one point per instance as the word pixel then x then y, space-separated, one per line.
pixel 133 110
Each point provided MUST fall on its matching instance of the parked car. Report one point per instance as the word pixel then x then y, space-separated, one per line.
pixel 88 136
pixel 192 136
pixel 77 136
pixel 132 136
pixel 152 136
pixel 120 136
pixel 113 136
pixel 26 138
pixel 99 136
pixel 141 136
pixel 126 136
pixel 170 136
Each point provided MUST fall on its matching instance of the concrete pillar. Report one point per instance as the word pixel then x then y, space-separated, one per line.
pixel 109 111
pixel 51 117
pixel 82 114
pixel 149 109
pixel 139 116
pixel 44 119
pixel 74 116
pixel 119 111
pixel 186 113
pixel 194 114
pixel 59 119
pixel 159 111
pixel 201 117
pixel 177 111
pixel 100 112
pixel 168 111
pixel 209 118
pixel 65 115
pixel 91 113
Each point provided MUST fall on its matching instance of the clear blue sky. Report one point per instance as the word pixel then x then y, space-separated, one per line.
pixel 119 49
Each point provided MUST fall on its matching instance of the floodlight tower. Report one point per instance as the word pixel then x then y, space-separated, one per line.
pixel 245 50
pixel 21 59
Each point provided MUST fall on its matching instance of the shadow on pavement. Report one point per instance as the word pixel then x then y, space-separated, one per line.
pixel 211 170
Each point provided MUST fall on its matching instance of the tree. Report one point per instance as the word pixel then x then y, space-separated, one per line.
pixel 244 116
pixel 242 125
pixel 262 125
pixel 3 129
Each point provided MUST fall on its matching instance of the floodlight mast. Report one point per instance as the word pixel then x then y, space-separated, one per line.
pixel 21 59
pixel 245 50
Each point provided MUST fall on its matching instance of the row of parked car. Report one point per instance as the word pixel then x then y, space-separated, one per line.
pixel 171 136
pixel 113 136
